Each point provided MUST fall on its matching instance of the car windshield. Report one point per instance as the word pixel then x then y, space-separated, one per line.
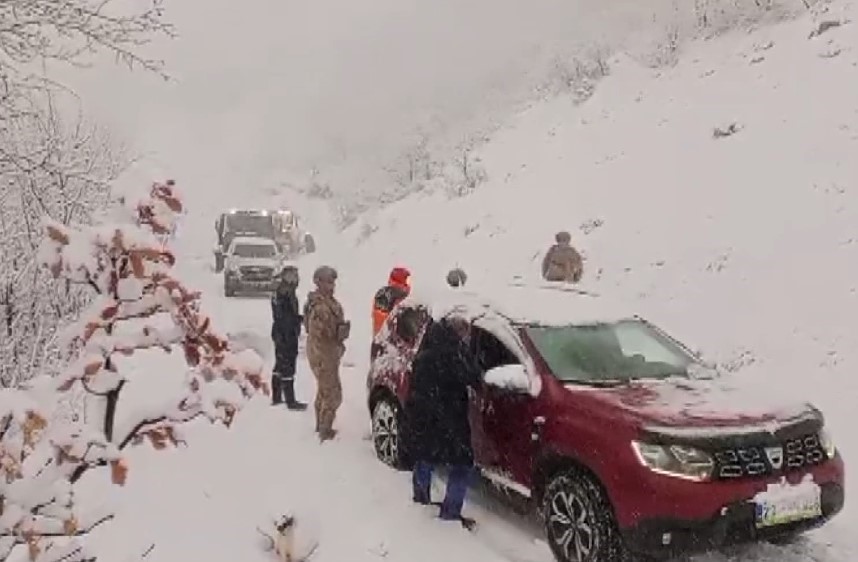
pixel 610 352
pixel 255 250
pixel 258 224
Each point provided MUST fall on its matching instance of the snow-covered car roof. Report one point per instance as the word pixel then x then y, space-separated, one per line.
pixel 251 241
pixel 547 304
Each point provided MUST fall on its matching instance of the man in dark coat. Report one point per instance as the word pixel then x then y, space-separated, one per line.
pixel 437 432
pixel 285 331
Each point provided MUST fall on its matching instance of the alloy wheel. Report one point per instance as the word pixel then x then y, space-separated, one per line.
pixel 385 432
pixel 571 526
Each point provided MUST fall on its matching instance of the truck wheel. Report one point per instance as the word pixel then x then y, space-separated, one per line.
pixel 228 289
pixel 218 262
pixel 386 435
pixel 579 521
pixel 309 244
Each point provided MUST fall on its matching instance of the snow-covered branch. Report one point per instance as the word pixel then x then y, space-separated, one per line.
pixel 35 32
pixel 37 457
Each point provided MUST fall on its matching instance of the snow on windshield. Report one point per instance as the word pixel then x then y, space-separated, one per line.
pixel 625 350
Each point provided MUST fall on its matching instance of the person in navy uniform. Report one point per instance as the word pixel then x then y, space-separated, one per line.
pixel 285 331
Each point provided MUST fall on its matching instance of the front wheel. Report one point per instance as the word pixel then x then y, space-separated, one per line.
pixel 579 522
pixel 386 435
pixel 228 289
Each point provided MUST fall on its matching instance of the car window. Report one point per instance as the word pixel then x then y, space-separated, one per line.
pixel 407 325
pixel 490 351
pixel 618 351
pixel 255 250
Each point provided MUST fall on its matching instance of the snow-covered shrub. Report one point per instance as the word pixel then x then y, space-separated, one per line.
pixel 578 74
pixel 128 268
pixel 464 175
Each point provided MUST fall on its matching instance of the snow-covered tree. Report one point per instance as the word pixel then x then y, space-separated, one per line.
pixel 51 164
pixel 138 304
pixel 37 33
pixel 63 169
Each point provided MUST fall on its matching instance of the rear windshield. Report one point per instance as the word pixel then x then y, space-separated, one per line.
pixel 610 352
pixel 255 250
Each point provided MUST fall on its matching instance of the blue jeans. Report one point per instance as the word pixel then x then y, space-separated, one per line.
pixel 458 479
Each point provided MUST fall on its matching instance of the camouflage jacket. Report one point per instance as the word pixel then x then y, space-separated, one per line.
pixel 562 263
pixel 325 324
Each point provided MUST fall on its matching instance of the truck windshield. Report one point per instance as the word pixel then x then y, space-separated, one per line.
pixel 255 250
pixel 259 225
pixel 610 352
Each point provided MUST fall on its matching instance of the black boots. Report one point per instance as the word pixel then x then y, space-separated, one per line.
pixel 284 391
pixel 289 395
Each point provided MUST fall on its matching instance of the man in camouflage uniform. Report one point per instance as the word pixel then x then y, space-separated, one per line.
pixel 327 331
pixel 562 262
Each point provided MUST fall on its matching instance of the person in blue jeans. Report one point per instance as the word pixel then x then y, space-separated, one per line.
pixel 435 415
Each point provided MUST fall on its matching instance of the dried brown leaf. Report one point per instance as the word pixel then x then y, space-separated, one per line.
pixel 137 266
pixel 92 368
pixel 57 235
pixel 118 472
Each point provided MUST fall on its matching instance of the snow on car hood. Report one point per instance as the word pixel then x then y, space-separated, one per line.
pixel 690 406
pixel 238 261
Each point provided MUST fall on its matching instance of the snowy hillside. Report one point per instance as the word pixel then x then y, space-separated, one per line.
pixel 743 246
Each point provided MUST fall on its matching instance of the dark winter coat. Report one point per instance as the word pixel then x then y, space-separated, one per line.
pixel 435 416
pixel 285 329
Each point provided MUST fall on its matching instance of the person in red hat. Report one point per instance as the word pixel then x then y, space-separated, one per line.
pixel 398 287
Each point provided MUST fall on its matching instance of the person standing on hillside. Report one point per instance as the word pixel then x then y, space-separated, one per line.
pixel 435 416
pixel 456 278
pixel 327 332
pixel 398 287
pixel 562 262
pixel 285 331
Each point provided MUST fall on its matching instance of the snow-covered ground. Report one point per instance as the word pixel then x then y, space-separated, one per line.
pixel 743 246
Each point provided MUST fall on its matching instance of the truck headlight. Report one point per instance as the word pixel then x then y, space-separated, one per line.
pixel 827 443
pixel 675 460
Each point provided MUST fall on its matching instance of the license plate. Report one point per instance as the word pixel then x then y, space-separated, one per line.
pixel 801 504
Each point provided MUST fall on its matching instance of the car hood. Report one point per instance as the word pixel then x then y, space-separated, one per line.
pixel 253 262
pixel 689 406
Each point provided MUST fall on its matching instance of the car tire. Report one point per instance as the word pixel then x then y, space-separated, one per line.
pixel 579 522
pixel 386 435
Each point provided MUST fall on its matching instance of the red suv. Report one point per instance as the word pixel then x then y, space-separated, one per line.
pixel 613 429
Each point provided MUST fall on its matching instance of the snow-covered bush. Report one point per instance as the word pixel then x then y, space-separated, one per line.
pixel 128 268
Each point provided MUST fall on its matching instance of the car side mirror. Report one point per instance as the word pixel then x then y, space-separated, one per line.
pixel 512 378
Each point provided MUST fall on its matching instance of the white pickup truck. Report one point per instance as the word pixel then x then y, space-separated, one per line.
pixel 251 265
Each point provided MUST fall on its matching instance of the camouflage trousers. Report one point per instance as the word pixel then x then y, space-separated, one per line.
pixel 329 393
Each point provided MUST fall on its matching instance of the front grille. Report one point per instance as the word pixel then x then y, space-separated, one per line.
pixel 757 460
pixel 255 273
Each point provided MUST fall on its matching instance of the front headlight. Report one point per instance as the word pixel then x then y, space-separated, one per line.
pixel 675 460
pixel 827 443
